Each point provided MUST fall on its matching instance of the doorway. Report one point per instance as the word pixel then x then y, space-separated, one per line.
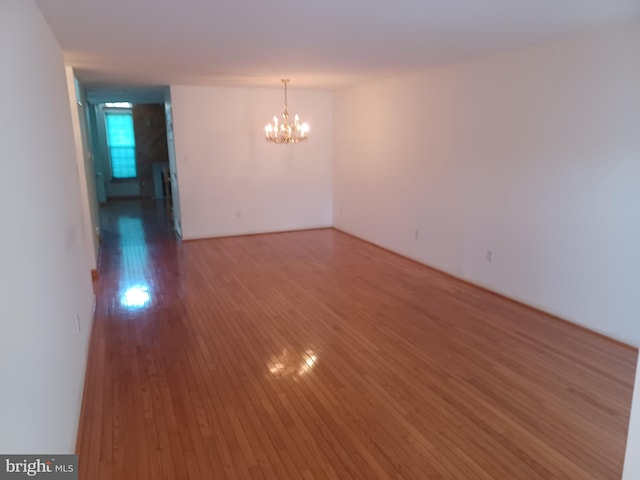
pixel 132 147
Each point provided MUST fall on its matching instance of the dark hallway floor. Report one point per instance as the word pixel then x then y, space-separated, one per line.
pixel 139 247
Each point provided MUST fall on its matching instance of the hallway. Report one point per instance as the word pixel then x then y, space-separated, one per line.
pixel 316 355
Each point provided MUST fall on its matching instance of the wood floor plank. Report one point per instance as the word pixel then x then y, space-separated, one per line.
pixel 315 355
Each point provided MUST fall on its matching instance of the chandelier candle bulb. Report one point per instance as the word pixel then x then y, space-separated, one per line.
pixel 286 132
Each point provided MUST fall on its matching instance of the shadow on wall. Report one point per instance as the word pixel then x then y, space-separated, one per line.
pixel 152 155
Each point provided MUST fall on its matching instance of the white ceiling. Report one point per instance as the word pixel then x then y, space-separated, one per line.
pixel 318 44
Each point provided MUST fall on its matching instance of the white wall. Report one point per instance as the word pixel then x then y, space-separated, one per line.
pixel 96 152
pixel 173 168
pixel 632 458
pixel 86 175
pixel 533 154
pixel 231 180
pixel 45 274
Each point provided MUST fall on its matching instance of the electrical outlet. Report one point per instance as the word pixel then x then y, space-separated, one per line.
pixel 417 234
pixel 239 213
pixel 489 256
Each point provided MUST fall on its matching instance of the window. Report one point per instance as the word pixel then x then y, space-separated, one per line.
pixel 118 105
pixel 122 144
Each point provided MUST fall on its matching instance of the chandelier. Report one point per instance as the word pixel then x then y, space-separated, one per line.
pixel 285 131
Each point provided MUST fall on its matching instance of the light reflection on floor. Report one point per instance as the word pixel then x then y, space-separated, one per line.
pixel 136 296
pixel 134 289
pixel 290 364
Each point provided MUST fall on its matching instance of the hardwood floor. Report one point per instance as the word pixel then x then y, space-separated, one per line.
pixel 313 355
